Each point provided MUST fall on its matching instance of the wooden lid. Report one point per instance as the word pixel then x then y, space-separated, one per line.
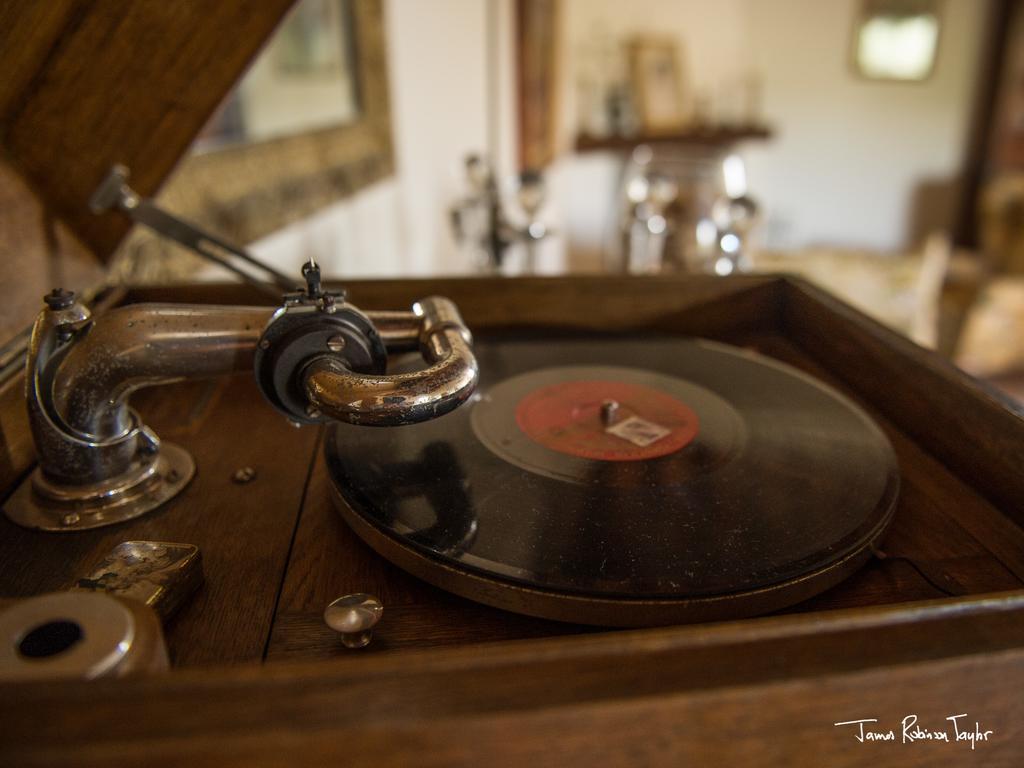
pixel 90 83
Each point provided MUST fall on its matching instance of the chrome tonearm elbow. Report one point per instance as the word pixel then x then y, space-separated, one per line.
pixel 322 359
pixel 316 359
pixel 337 392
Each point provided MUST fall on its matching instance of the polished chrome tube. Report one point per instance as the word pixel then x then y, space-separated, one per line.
pixel 399 331
pixel 100 464
pixel 404 398
pixel 145 344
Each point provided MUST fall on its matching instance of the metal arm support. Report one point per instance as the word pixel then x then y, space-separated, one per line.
pixel 114 193
pixel 316 359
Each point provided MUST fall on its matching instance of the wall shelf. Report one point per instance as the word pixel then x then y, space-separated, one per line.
pixel 711 136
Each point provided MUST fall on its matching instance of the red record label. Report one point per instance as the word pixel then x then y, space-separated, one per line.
pixel 570 417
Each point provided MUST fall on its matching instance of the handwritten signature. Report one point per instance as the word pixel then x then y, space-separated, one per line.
pixel 911 731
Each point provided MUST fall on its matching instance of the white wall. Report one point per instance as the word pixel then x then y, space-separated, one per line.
pixel 849 152
pixel 710 34
pixel 711 37
pixel 437 55
pixel 437 67
pixel 361 236
pixel 842 169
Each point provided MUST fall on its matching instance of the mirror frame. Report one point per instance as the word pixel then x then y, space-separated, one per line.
pixel 245 192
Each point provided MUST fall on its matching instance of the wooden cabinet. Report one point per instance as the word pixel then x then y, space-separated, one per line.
pixel 932 627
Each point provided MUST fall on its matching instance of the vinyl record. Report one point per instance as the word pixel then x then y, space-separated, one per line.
pixel 625 482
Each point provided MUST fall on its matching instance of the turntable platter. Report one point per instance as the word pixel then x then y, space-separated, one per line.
pixel 626 482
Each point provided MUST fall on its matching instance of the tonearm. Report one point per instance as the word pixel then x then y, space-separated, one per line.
pixel 316 358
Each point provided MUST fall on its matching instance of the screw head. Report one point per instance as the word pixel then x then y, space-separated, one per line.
pixel 336 343
pixel 244 475
pixel 58 298
pixel 354 616
pixel 71 518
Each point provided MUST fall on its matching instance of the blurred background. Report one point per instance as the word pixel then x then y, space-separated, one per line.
pixel 874 147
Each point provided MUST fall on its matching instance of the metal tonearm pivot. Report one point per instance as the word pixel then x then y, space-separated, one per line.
pixel 322 359
pixel 316 358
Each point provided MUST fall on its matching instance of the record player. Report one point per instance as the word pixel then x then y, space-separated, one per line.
pixel 801 516
pixel 936 598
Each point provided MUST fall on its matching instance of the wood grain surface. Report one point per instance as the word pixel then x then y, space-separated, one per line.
pixel 450 682
pixel 699 304
pixel 90 83
pixel 946 539
pixel 37 254
pixel 764 692
pixel 965 424
pixel 244 532
pixel 329 560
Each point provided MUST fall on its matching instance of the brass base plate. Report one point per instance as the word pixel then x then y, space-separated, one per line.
pixel 172 469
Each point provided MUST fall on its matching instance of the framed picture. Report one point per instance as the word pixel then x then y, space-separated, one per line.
pixel 536 58
pixel 659 91
pixel 896 40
